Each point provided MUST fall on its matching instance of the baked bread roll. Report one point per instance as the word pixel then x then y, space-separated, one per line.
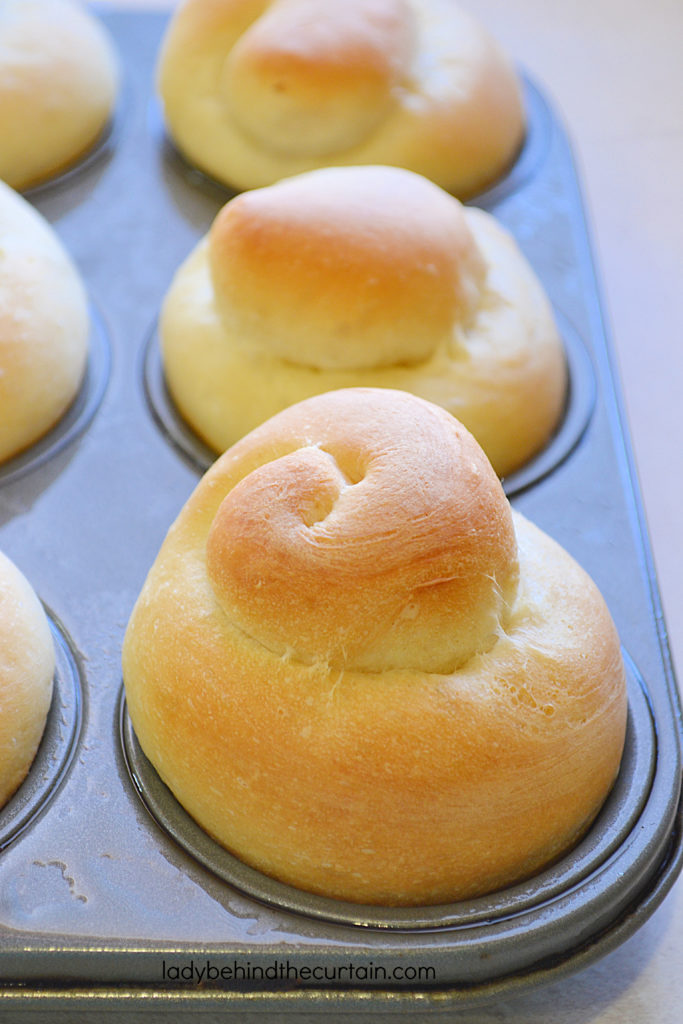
pixel 27 664
pixel 58 86
pixel 258 90
pixel 44 326
pixel 366 276
pixel 364 674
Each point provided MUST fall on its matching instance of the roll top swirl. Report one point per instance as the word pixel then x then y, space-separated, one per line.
pixel 310 78
pixel 319 269
pixel 371 540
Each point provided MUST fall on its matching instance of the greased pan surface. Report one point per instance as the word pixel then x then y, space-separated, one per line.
pixel 110 904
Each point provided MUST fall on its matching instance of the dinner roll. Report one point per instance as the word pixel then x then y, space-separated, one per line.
pixel 58 86
pixel 367 276
pixel 365 675
pixel 27 664
pixel 44 326
pixel 257 90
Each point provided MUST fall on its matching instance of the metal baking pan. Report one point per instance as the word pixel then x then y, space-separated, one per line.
pixel 112 903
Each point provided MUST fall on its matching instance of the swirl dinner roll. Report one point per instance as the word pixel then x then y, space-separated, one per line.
pixel 365 675
pixel 58 86
pixel 367 276
pixel 257 90
pixel 27 664
pixel 44 326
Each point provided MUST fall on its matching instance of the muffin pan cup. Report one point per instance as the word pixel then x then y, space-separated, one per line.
pixel 112 903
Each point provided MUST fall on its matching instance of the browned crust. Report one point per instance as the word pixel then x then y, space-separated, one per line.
pixel 397 786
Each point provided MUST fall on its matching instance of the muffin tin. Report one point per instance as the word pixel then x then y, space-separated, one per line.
pixel 111 900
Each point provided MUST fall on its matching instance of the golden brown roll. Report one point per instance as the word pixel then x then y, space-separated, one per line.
pixel 257 90
pixel 365 675
pixel 27 663
pixel 44 326
pixel 58 86
pixel 367 276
